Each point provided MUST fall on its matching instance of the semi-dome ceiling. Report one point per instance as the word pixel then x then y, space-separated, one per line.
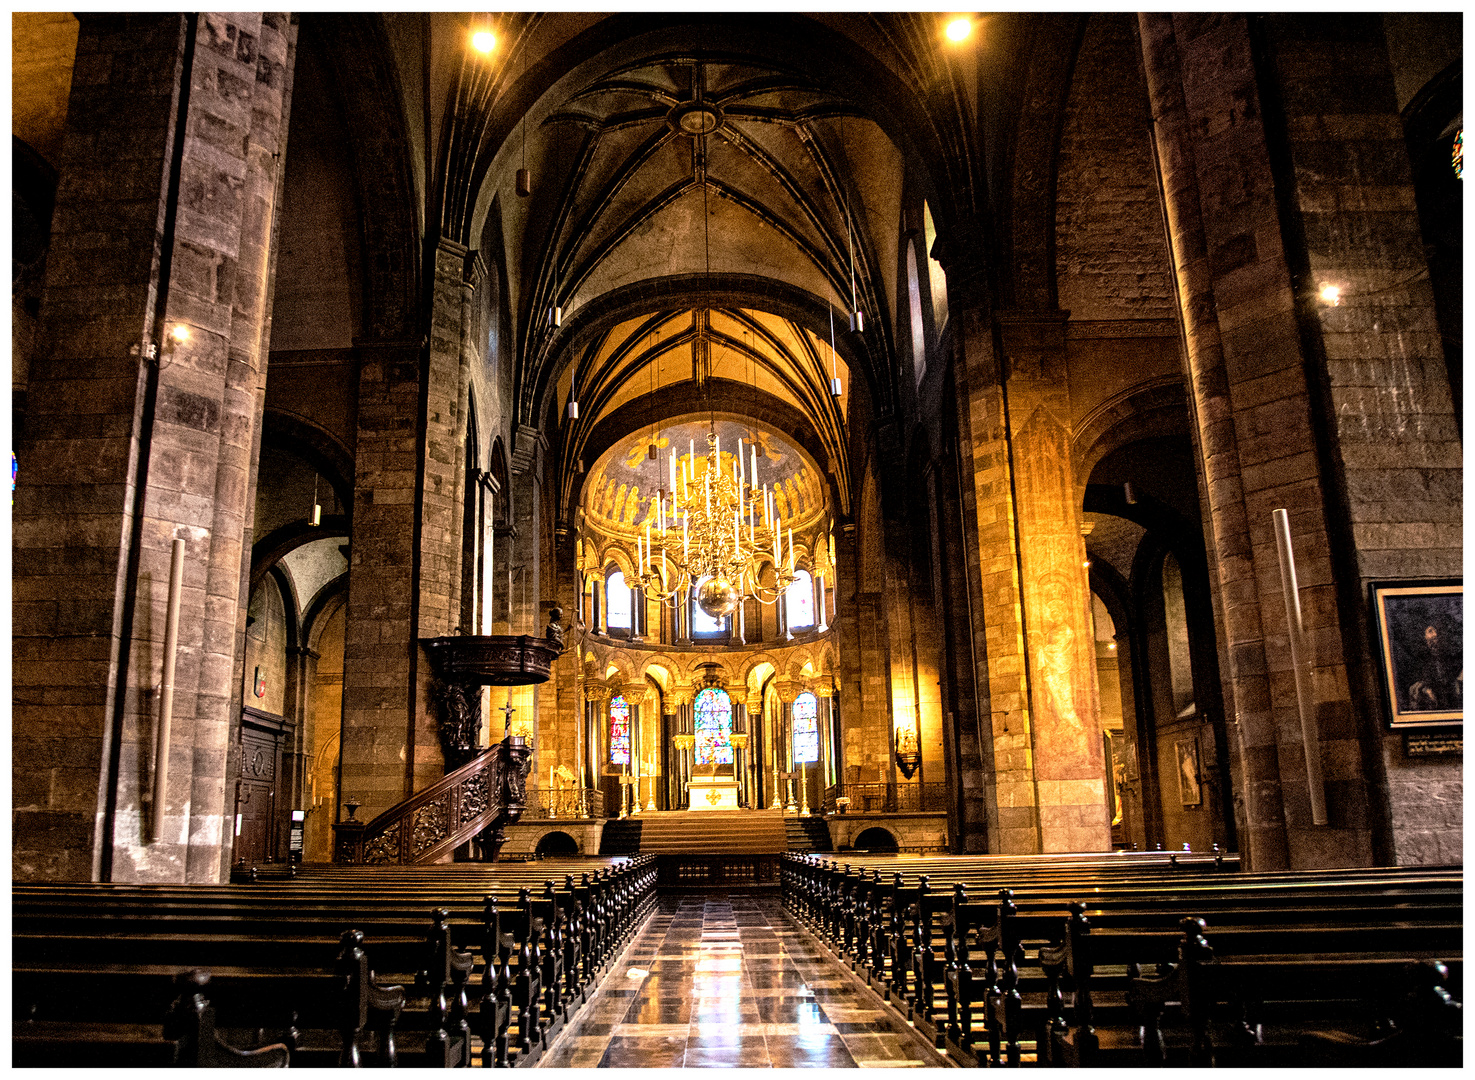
pixel 619 496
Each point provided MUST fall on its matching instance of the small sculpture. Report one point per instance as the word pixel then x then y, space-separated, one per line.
pixel 554 632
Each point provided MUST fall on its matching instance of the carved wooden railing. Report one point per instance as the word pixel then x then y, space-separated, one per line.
pixel 481 798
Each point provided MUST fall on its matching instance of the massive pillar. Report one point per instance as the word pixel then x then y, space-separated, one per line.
pixel 998 652
pixel 1066 746
pixel 143 417
pixel 1256 132
pixel 405 569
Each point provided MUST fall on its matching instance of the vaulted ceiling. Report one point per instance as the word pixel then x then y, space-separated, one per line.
pixel 668 365
pixel 699 220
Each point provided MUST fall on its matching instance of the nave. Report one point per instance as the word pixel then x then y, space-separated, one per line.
pixel 722 980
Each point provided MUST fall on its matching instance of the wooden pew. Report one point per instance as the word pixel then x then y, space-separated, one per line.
pixel 1015 997
pixel 514 963
pixel 186 1037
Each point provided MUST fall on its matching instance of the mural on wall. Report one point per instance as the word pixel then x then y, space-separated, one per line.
pixel 621 490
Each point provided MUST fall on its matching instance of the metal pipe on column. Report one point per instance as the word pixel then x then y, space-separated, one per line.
pixel 1305 693
pixel 166 689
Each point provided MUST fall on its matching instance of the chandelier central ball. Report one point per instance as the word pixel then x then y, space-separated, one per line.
pixel 717 597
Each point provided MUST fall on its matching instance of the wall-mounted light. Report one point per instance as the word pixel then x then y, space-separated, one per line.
pixel 484 41
pixel 1331 295
pixel 959 29
pixel 179 333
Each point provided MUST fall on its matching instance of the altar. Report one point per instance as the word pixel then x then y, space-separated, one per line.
pixel 712 793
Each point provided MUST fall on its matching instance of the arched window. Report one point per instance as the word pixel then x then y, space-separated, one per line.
pixel 799 601
pixel 806 728
pixel 617 602
pixel 619 730
pixel 914 307
pixel 713 727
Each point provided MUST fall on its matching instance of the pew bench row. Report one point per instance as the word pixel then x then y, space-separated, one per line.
pixel 506 973
pixel 1003 961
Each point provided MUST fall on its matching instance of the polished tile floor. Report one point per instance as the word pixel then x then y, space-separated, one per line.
pixel 727 981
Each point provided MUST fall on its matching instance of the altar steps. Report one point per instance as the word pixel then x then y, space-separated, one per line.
pixel 713 832
pixel 808 834
pixel 620 837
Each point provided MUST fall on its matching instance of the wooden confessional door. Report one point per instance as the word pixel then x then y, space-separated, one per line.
pixel 262 803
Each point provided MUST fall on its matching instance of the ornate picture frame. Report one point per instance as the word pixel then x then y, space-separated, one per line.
pixel 1419 631
pixel 1190 782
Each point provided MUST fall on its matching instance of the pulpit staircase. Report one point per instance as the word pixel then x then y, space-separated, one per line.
pixel 474 802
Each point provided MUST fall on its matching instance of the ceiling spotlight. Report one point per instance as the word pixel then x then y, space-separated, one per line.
pixel 959 29
pixel 483 41
pixel 1331 295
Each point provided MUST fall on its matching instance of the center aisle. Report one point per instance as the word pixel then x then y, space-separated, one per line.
pixel 731 982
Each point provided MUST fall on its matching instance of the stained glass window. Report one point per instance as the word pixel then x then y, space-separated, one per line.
pixel 619 730
pixel 714 727
pixel 806 728
pixel 799 600
pixel 617 602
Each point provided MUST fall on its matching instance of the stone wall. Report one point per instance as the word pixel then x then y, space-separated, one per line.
pixel 914 833
pixel 1397 442
pixel 1110 259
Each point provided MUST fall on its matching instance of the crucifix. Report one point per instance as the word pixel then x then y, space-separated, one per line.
pixel 507 711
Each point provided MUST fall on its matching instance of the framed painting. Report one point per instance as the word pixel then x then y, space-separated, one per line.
pixel 1420 630
pixel 1189 788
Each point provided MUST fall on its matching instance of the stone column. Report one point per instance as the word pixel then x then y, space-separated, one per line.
pixel 673 770
pixel 788 690
pixel 739 747
pixel 681 698
pixel 404 573
pixel 1066 747
pixel 992 561
pixel 824 689
pixel 302 667
pixel 134 437
pixel 1266 434
pixel 596 753
pixel 753 715
pixel 597 585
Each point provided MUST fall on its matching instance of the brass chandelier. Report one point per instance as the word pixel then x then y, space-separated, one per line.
pixel 712 519
pixel 711 532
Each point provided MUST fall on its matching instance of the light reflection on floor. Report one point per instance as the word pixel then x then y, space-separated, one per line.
pixel 732 984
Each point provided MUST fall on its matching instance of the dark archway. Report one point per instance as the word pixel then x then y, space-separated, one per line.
pixel 556 843
pixel 875 839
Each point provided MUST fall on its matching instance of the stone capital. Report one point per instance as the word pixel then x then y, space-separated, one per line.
pixel 682 695
pixel 596 692
pixel 528 445
pixel 787 689
pixel 755 703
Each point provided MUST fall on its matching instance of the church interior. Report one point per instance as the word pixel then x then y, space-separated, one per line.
pixel 725 462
